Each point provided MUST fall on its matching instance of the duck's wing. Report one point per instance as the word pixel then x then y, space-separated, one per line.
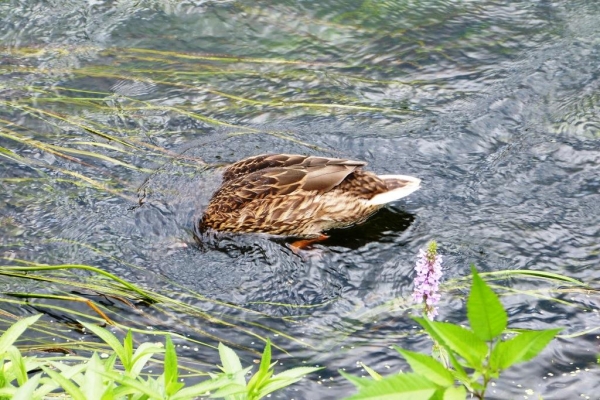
pixel 265 161
pixel 280 181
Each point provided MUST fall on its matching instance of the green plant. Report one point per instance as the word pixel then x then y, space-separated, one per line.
pixel 476 355
pixel 97 379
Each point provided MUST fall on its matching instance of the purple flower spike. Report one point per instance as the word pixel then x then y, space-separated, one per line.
pixel 427 281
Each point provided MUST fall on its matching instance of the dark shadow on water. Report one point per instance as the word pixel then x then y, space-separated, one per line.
pixel 386 223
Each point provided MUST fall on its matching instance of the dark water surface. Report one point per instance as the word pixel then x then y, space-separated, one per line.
pixel 495 105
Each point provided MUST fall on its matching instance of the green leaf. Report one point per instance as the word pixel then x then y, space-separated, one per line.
pixel 12 334
pixel 18 365
pixel 171 372
pixel 398 387
pixel 284 379
pixel 486 314
pixel 109 339
pixel 93 386
pixel 141 356
pixel 25 392
pixel 65 383
pixel 231 363
pixel 297 372
pixel 264 371
pixel 372 373
pixel 357 381
pixel 427 366
pixel 66 371
pixel 522 347
pixel 137 385
pixel 458 339
pixel 128 351
pixel 455 393
pixel 229 390
pixel 265 360
pixel 202 388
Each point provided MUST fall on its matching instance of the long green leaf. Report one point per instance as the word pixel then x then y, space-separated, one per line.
pixel 486 315
pixel 202 388
pixel 18 365
pixel 141 356
pixel 398 387
pixel 128 351
pixel 109 339
pixel 171 369
pixel 427 366
pixel 230 389
pixel 12 334
pixel 140 386
pixel 66 384
pixel 264 371
pixel 284 379
pixel 372 373
pixel 93 386
pixel 25 392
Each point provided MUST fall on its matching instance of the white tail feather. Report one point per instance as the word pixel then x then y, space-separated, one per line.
pixel 395 194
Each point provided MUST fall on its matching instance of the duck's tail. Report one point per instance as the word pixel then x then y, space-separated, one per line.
pixel 399 186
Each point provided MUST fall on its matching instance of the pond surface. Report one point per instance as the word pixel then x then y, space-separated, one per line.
pixel 116 116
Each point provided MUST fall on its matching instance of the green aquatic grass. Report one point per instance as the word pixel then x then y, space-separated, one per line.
pixel 150 305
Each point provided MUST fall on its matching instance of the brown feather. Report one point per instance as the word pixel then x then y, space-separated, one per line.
pixel 289 194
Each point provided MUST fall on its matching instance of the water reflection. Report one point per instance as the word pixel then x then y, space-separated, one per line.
pixel 494 105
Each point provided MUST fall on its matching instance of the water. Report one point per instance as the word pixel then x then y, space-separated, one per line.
pixel 494 106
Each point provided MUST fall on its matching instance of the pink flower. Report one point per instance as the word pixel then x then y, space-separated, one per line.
pixel 427 281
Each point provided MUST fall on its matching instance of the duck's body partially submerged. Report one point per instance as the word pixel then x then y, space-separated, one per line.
pixel 301 196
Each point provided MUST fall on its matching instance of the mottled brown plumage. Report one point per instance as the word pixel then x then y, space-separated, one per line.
pixel 302 196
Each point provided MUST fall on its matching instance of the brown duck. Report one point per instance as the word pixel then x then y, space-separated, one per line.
pixel 300 196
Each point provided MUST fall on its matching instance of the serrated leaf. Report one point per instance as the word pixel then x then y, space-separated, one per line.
pixel 398 387
pixel 12 334
pixel 485 312
pixel 455 393
pixel 428 366
pixel 522 347
pixel 458 339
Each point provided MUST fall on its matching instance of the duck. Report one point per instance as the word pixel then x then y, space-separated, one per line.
pixel 299 196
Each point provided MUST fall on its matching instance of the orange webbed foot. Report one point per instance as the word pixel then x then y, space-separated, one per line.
pixel 302 244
